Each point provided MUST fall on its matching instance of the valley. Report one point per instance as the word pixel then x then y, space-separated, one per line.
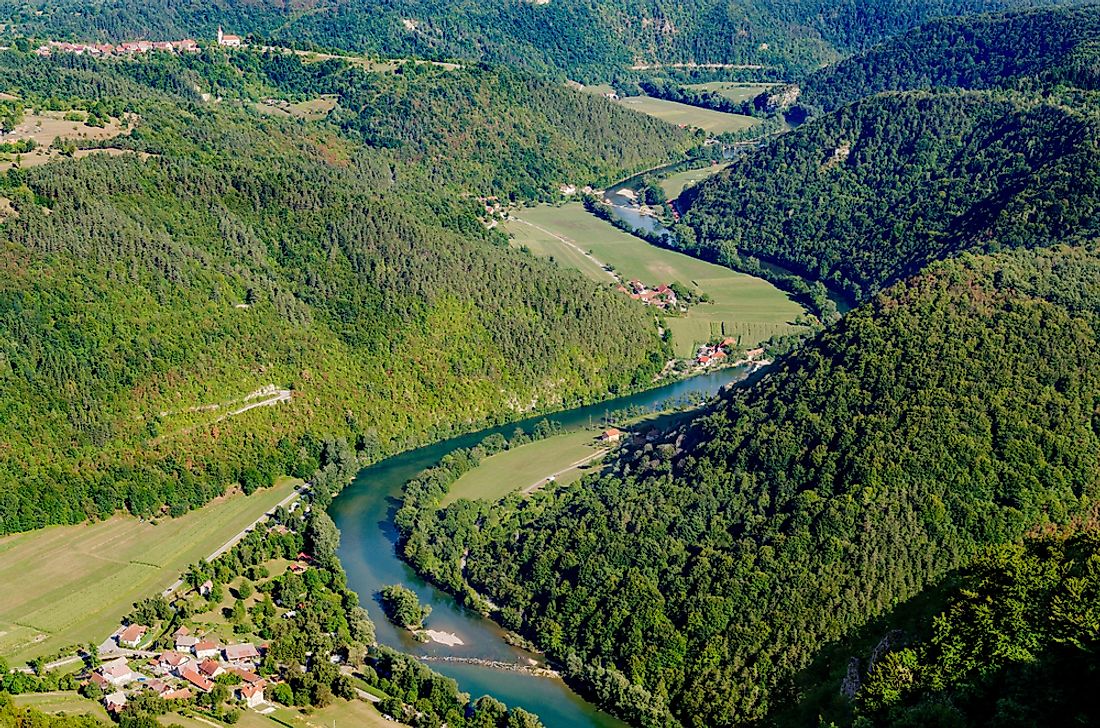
pixel 541 365
pixel 748 309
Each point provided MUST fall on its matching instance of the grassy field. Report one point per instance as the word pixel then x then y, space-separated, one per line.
pixel 517 469
pixel 72 584
pixel 342 714
pixel 714 122
pixel 601 89
pixel 69 703
pixel 733 91
pixel 499 475
pixel 676 183
pixel 316 108
pixel 743 306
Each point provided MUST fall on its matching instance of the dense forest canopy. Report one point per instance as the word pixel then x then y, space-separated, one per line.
pixel 1015 645
pixel 876 190
pixel 1009 50
pixel 584 38
pixel 145 298
pixel 955 410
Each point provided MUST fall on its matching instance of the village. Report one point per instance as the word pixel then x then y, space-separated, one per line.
pixel 194 665
pixel 189 664
pixel 129 48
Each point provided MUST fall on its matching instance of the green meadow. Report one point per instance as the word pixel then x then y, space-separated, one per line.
pixel 524 466
pixel 713 122
pixel 733 91
pixel 674 184
pixel 741 305
pixel 72 584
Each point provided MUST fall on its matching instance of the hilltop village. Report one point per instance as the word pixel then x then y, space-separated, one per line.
pixel 129 48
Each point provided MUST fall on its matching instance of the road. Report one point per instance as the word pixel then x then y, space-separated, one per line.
pixel 241 534
pixel 583 461
pixel 561 238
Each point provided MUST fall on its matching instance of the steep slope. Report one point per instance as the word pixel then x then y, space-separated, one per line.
pixel 955 410
pixel 988 51
pixel 1015 645
pixel 148 302
pixel 585 38
pixel 876 190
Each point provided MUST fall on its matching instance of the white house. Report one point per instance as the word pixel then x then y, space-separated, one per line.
pixel 132 635
pixel 230 41
pixel 206 649
pixel 117 672
pixel 252 695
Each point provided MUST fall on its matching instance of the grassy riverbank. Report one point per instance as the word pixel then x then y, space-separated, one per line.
pixel 710 121
pixel 674 184
pixel 525 466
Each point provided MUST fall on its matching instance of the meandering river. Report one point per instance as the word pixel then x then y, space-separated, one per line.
pixel 364 514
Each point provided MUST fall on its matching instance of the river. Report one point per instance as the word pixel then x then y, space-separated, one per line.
pixel 364 513
pixel 626 207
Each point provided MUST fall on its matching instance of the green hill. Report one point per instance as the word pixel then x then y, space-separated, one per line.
pixel 877 190
pixel 1010 50
pixel 953 411
pixel 151 303
pixel 584 38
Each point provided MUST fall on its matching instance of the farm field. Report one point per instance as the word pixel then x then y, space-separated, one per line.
pixel 62 701
pixel 72 584
pixel 742 305
pixel 733 91
pixel 713 122
pixel 499 475
pixel 340 713
pixel 674 185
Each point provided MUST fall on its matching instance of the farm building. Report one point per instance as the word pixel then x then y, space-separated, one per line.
pixel 611 435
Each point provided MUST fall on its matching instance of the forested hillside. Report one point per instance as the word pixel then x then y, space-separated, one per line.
pixel 589 39
pixel 1011 50
pixel 149 303
pixel 1016 644
pixel 876 190
pixel 954 411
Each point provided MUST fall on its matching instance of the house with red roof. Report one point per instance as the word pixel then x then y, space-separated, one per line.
pixel 202 683
pixel 211 668
pixel 205 648
pixel 252 695
pixel 243 652
pixel 613 434
pixel 132 635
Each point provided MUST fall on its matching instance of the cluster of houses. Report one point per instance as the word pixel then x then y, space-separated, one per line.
pixel 129 48
pixel 662 296
pixel 711 354
pixel 179 674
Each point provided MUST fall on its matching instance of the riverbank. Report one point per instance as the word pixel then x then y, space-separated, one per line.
pixel 364 513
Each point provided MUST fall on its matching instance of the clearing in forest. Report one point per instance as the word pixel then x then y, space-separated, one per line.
pixel 710 121
pixel 674 185
pixel 47 126
pixel 741 305
pixel 733 91
pixel 525 466
pixel 72 584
